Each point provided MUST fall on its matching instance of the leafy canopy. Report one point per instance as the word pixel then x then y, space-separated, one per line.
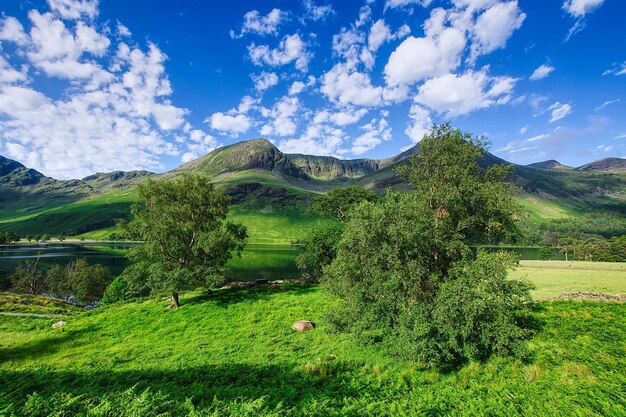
pixel 186 239
pixel 405 269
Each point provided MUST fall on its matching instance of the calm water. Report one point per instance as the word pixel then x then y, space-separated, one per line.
pixel 257 261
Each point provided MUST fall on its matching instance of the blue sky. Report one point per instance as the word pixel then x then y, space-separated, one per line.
pixel 89 85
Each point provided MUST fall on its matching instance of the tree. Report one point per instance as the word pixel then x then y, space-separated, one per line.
pixel 318 250
pixel 29 279
pixel 85 282
pixel 338 202
pixel 406 272
pixel 545 253
pixel 186 240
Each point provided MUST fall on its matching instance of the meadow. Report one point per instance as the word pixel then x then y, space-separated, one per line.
pixel 233 353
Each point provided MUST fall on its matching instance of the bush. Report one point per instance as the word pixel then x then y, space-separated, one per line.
pixel 319 249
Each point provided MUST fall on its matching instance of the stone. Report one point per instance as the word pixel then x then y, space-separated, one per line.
pixel 303 326
pixel 58 324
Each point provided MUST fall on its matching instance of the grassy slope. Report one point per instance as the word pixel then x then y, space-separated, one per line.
pixel 233 353
pixel 553 277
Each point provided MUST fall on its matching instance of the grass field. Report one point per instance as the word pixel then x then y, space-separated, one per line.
pixel 232 353
pixel 553 277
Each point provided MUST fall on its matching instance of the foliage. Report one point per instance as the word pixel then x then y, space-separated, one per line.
pixel 79 280
pixel 339 201
pixel 318 250
pixel 9 237
pixel 186 240
pixel 546 252
pixel 594 249
pixel 399 262
pixel 235 355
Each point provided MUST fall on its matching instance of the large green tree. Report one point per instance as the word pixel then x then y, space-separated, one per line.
pixel 405 268
pixel 186 238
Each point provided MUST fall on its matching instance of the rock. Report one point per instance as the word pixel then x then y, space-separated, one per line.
pixel 589 296
pixel 303 326
pixel 332 357
pixel 58 324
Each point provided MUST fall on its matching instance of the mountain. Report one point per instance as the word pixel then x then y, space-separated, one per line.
pixel 274 188
pixel 550 164
pixel 605 165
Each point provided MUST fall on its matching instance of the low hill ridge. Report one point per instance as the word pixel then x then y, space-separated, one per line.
pixel 605 164
pixel 549 164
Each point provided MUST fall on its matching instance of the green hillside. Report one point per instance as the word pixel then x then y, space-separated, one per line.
pixel 233 353
pixel 270 190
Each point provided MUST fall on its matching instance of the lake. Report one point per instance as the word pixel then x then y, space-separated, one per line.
pixel 258 261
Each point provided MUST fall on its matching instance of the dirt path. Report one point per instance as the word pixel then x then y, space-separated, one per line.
pixel 44 316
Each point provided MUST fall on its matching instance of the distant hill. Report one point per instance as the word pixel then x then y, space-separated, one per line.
pixel 550 164
pixel 263 181
pixel 605 165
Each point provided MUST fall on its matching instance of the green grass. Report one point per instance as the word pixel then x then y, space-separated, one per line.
pixel 233 354
pixel 19 303
pixel 277 227
pixel 553 277
pixel 539 210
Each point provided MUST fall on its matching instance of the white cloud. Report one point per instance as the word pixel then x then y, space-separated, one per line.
pixel 391 4
pixel 8 74
pixel 618 69
pixel 607 103
pixel 375 132
pixel 542 72
pixel 291 48
pixel 74 9
pixel 456 95
pixel 298 86
pixel 579 8
pixel 604 148
pixel 230 124
pixel 12 30
pixel 523 130
pixel 380 33
pixel 254 22
pixel 110 110
pixel 315 13
pixel 420 123
pixel 559 111
pixel 199 144
pixel 437 53
pixel 346 86
pixel 343 117
pixel 318 139
pixel 122 30
pixel 264 80
pixel 281 117
pixel 494 27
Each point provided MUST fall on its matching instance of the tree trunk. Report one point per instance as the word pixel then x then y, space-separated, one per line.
pixel 175 302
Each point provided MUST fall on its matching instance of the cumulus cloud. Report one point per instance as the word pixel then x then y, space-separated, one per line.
pixel 559 111
pixel 392 4
pixel 343 117
pixel 494 27
pixel 112 110
pixel 291 49
pixel 542 72
pixel 281 117
pixel 420 123
pixel 199 144
pixel 455 95
pixel 580 8
pixel 437 53
pixel 230 124
pixel 264 80
pixel 380 33
pixel 374 133
pixel 344 85
pixel 255 22
pixel 314 12
pixel 74 9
